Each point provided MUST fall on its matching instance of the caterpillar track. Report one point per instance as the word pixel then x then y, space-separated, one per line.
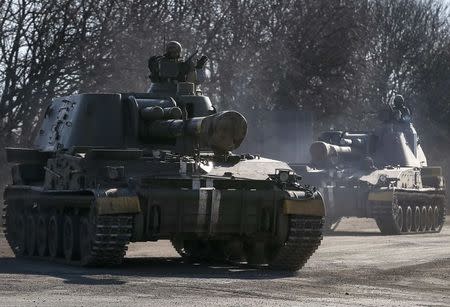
pixel 304 237
pixel 98 241
pixel 4 229
pixel 110 240
pixel 410 214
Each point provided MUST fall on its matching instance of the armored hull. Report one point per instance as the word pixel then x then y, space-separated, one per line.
pixel 398 204
pixel 154 167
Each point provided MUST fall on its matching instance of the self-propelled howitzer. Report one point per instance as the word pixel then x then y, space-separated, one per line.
pixel 380 174
pixel 109 169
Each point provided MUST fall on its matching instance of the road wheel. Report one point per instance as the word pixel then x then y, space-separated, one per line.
pixel 41 237
pixel 31 231
pixel 408 220
pixel 70 238
pixel 54 235
pixel 435 218
pixel 398 217
pixel 19 235
pixel 423 218
pixel 85 241
pixel 439 212
pixel 391 224
pixel 430 218
pixel 416 219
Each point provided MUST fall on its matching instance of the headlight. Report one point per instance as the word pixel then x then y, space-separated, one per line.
pixel 382 178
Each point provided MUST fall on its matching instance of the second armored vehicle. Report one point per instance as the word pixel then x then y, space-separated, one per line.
pixel 381 174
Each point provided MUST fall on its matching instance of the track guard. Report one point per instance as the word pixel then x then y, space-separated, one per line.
pixel 116 201
pixel 299 205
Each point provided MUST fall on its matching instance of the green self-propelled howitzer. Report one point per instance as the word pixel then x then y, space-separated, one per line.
pixel 381 174
pixel 109 169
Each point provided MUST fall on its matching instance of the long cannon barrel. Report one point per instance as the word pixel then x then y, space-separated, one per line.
pixel 322 152
pixel 222 132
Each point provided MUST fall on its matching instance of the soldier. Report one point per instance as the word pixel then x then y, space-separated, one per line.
pixel 400 110
pixel 169 68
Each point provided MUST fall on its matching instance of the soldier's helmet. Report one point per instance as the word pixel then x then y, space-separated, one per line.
pixel 173 50
pixel 399 101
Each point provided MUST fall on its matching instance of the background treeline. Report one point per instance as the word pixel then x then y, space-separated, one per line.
pixel 340 59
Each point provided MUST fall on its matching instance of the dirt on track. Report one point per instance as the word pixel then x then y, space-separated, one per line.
pixel 356 266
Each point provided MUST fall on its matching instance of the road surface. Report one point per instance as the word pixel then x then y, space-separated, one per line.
pixel 356 267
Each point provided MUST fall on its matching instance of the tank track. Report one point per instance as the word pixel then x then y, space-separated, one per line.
pixel 110 237
pixel 305 235
pixel 384 215
pixel 4 217
pixel 7 232
pixel 110 240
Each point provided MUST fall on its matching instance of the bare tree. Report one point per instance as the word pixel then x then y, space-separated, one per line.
pixel 337 59
pixel 39 51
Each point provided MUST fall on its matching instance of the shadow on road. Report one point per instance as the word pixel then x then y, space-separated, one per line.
pixel 136 267
pixel 340 233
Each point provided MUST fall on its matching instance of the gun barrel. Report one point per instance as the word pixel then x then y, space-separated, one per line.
pixel 321 152
pixel 222 132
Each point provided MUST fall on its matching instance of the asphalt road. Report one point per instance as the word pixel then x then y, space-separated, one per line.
pixel 356 268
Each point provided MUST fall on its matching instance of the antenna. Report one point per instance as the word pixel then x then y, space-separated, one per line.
pixel 164 39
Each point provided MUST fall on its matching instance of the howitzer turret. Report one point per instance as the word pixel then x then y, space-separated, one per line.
pixel 142 120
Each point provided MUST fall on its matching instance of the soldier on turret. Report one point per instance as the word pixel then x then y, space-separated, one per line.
pixel 169 69
pixel 397 112
pixel 400 111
